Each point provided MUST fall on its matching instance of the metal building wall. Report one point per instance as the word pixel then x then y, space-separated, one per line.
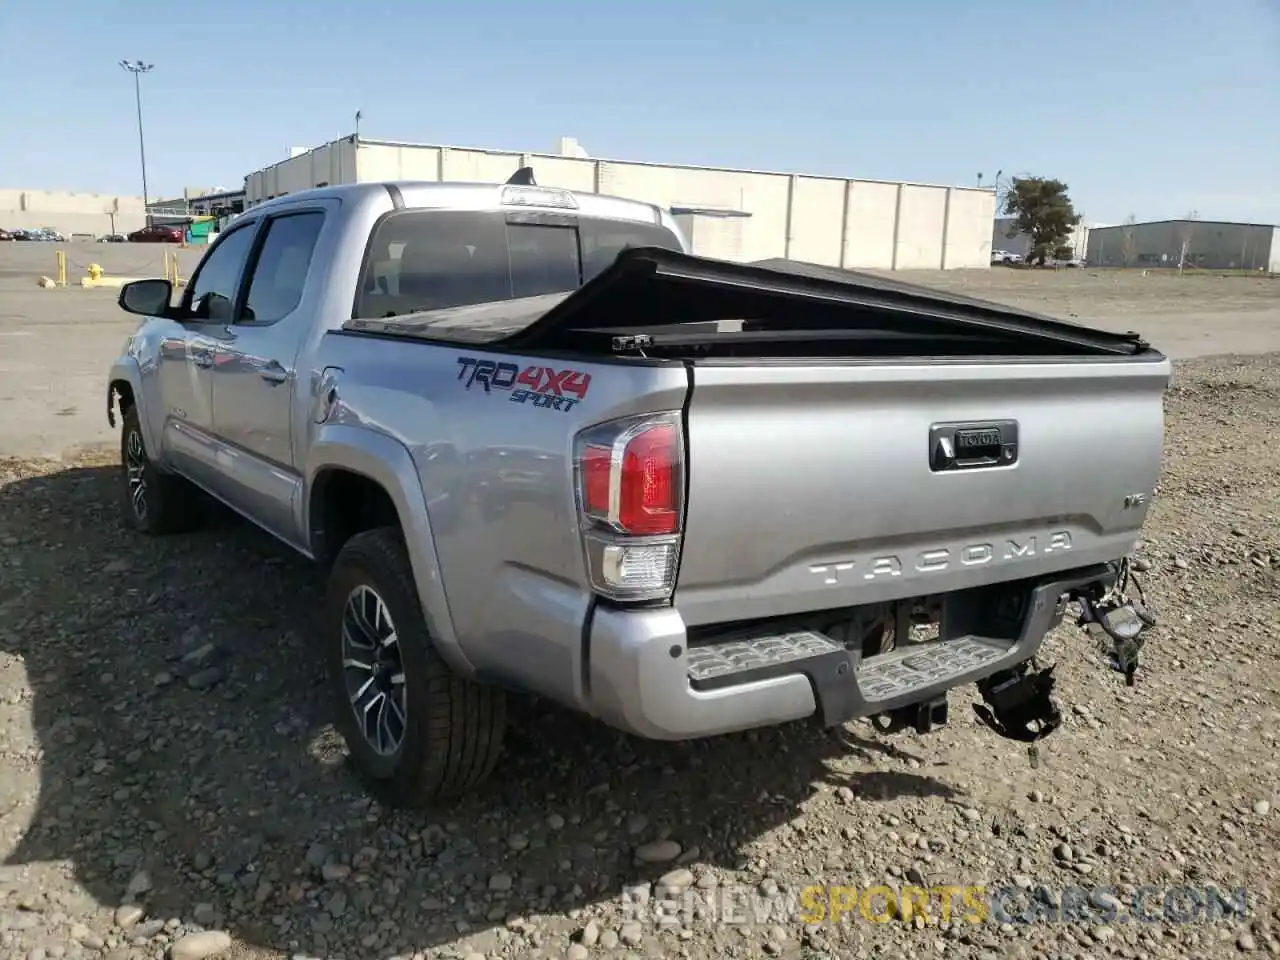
pixel 1211 245
pixel 830 221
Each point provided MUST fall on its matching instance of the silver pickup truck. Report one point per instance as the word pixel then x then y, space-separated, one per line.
pixel 540 447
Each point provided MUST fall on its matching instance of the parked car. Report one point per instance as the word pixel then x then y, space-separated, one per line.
pixel 39 235
pixel 6 236
pixel 157 233
pixel 112 238
pixel 544 452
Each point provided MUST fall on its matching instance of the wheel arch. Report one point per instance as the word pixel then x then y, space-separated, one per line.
pixel 124 391
pixel 347 463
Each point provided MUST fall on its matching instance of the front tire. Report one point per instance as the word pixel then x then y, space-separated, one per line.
pixel 417 733
pixel 154 502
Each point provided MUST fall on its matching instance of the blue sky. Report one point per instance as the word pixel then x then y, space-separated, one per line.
pixel 1144 107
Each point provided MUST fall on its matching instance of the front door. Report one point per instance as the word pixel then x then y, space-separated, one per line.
pixel 187 355
pixel 256 387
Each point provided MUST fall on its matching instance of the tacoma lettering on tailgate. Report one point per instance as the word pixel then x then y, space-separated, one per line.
pixel 536 386
pixel 944 558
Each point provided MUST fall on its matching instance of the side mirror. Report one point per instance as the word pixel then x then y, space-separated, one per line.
pixel 149 298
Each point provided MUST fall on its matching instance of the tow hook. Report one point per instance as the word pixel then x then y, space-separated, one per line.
pixel 1018 704
pixel 1122 620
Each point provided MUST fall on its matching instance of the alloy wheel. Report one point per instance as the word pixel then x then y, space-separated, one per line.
pixel 373 670
pixel 135 465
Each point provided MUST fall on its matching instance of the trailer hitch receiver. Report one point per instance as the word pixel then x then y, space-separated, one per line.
pixel 1018 703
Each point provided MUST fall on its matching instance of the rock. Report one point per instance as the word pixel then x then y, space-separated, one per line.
pixel 1063 851
pixel 609 939
pixel 577 951
pixel 631 933
pixel 335 872
pixel 1262 808
pixel 1246 942
pixel 676 879
pixel 204 914
pixel 590 934
pixel 139 884
pixel 127 914
pixel 659 851
pixel 201 946
pixel 500 882
pixel 201 656
pixel 205 679
pixel 317 855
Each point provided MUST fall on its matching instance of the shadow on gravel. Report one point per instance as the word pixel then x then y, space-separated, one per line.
pixel 183 726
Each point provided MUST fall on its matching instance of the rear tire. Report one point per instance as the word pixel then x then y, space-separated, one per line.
pixel 153 502
pixel 417 733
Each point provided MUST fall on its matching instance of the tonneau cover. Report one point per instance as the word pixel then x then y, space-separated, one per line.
pixel 651 288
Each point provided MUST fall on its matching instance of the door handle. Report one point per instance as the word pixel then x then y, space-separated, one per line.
pixel 274 373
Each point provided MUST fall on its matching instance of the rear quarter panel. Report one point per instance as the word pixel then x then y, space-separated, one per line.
pixel 497 477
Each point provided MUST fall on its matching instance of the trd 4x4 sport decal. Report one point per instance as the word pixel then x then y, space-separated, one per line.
pixel 536 386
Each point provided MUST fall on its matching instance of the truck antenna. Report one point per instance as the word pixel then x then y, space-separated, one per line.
pixel 523 177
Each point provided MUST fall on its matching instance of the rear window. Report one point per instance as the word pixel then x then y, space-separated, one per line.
pixel 423 260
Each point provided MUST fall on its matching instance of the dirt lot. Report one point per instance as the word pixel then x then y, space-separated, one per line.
pixel 167 766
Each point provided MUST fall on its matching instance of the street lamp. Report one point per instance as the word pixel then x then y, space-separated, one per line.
pixel 138 68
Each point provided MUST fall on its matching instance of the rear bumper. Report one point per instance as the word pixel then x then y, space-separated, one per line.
pixel 639 671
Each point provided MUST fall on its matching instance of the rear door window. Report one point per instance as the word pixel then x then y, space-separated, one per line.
pixel 281 271
pixel 424 260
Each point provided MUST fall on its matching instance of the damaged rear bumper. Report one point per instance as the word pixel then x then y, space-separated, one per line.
pixel 644 678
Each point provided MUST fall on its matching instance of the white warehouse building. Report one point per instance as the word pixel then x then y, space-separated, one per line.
pixel 740 215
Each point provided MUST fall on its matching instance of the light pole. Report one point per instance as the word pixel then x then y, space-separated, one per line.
pixel 138 68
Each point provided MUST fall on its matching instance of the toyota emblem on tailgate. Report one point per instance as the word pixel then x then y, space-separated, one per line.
pixel 973 446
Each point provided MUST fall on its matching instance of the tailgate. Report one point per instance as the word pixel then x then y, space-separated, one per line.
pixel 826 484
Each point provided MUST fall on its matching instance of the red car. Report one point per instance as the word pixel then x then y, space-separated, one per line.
pixel 157 233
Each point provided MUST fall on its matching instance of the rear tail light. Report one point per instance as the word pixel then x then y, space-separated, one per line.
pixel 630 478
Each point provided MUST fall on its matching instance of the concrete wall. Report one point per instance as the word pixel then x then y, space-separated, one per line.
pixel 714 236
pixel 830 221
pixel 1210 245
pixel 84 214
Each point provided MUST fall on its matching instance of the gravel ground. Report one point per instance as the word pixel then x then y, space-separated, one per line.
pixel 169 781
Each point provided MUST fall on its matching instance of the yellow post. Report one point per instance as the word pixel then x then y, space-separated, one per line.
pixel 62 268
pixel 165 255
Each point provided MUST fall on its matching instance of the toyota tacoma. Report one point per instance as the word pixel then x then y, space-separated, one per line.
pixel 540 447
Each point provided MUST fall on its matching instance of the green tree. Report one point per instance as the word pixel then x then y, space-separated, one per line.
pixel 1044 213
